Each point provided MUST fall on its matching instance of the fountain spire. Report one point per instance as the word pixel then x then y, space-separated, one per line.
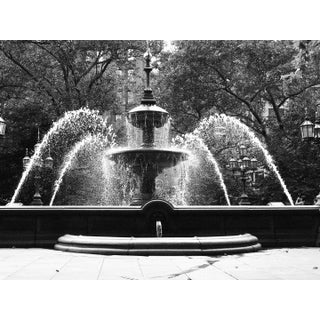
pixel 148 98
pixel 148 116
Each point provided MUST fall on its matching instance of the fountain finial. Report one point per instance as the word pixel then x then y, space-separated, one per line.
pixel 148 98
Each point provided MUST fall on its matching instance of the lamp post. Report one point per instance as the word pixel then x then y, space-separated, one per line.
pixel 244 168
pixel 3 126
pixel 311 132
pixel 40 164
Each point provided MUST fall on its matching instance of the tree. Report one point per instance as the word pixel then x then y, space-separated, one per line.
pixel 234 77
pixel 245 79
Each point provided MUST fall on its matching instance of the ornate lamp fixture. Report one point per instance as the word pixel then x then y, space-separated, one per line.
pixel 2 133
pixel 311 131
pixel 307 130
pixel 3 126
pixel 48 161
pixel 26 160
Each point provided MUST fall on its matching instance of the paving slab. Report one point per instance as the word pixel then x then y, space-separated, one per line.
pixel 121 269
pixel 80 268
pixel 40 270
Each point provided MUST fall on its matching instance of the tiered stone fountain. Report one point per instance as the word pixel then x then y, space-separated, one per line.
pixel 147 162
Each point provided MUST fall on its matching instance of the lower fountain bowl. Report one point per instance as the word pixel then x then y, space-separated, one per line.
pixel 142 157
pixel 147 246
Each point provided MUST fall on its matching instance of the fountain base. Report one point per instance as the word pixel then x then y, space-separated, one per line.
pixel 274 226
pixel 207 246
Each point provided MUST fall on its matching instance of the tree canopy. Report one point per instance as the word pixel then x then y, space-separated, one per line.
pixel 268 85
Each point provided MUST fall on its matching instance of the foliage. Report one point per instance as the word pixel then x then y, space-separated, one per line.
pixel 233 77
pixel 268 85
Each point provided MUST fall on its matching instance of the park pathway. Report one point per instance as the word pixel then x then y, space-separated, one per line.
pixel 44 264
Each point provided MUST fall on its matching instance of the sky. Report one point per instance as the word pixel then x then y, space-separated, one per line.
pixel 168 19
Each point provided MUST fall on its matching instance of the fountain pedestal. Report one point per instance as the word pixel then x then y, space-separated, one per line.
pixel 37 201
pixel 147 188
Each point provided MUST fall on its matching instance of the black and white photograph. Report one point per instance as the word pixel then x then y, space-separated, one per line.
pixel 190 159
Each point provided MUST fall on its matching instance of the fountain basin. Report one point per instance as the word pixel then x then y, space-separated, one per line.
pixel 282 226
pixel 159 246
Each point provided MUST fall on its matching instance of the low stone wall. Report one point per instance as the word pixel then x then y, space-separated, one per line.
pixel 274 226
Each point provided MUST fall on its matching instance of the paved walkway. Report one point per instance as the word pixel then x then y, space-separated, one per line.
pixel 33 264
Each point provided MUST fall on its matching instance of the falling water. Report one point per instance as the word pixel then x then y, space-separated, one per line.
pixel 198 142
pixel 182 181
pixel 97 140
pixel 69 118
pixel 237 124
pixel 218 171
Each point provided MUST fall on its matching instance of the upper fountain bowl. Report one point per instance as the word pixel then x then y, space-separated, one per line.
pixel 144 116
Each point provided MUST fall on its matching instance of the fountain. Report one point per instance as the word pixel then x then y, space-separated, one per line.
pixel 148 161
pixel 150 226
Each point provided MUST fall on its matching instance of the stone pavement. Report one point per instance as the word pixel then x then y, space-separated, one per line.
pixel 44 264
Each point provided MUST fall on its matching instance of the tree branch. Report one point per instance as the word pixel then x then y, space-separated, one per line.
pixel 275 108
pixel 298 92
pixel 29 73
pixel 99 75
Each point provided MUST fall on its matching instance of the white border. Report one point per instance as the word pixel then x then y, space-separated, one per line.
pixel 166 19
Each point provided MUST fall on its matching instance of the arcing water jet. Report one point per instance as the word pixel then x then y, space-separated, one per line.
pixel 236 125
pixel 79 122
pixel 99 143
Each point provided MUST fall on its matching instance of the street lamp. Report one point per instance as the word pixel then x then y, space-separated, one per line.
pixel 242 150
pixel 311 132
pixel 26 160
pixel 2 134
pixel 307 130
pixel 40 164
pixel 244 168
pixel 3 126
